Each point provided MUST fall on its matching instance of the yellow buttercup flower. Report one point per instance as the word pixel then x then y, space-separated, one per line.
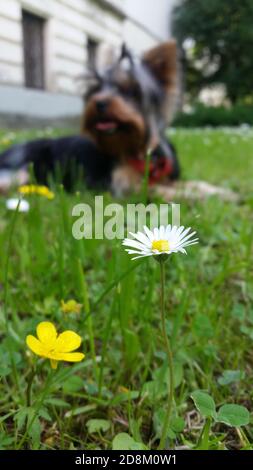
pixel 123 389
pixel 56 348
pixel 5 141
pixel 71 306
pixel 35 189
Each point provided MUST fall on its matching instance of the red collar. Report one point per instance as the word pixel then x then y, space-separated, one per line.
pixel 159 168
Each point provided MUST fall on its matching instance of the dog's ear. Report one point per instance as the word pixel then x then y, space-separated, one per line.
pixel 162 63
pixel 124 52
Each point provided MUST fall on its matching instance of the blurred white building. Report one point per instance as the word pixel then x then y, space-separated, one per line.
pixel 45 44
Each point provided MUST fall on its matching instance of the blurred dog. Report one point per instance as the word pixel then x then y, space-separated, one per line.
pixel 127 105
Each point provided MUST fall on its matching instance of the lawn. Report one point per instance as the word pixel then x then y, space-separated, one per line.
pixel 115 398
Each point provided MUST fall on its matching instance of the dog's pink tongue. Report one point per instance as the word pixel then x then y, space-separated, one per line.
pixel 106 126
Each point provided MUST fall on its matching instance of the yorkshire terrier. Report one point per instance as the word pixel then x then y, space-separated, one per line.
pixel 128 104
pixel 125 116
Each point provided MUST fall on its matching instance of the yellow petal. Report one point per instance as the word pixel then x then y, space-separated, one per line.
pixel 53 363
pixel 67 341
pixel 35 345
pixel 71 306
pixel 47 334
pixel 69 357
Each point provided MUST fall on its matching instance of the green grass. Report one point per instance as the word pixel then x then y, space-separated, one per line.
pixel 123 378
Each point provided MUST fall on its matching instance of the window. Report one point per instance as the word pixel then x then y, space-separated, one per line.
pixel 92 46
pixel 33 45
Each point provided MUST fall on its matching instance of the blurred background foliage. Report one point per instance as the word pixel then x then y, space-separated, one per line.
pixel 216 42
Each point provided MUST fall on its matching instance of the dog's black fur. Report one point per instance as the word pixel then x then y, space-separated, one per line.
pixel 133 103
pixel 68 159
pixel 65 159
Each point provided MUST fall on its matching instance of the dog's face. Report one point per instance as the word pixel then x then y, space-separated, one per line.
pixel 125 106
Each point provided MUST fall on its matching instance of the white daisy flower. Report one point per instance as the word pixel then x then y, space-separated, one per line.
pixel 12 205
pixel 160 241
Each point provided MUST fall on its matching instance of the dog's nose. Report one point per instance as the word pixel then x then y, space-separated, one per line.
pixel 101 105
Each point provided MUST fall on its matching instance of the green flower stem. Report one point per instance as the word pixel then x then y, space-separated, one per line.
pixel 86 304
pixel 6 294
pixel 243 438
pixel 203 442
pixel 146 178
pixel 29 387
pixel 170 362
pixel 37 407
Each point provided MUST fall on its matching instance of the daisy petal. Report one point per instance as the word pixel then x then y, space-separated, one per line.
pixel 184 233
pixel 134 244
pixel 162 240
pixel 156 234
pixel 189 242
pixel 181 229
pixel 141 238
pixel 162 232
pixel 138 252
pixel 187 237
pixel 149 234
pixel 168 230
pixel 143 256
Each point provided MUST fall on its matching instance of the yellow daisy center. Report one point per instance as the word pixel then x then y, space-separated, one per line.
pixel 160 245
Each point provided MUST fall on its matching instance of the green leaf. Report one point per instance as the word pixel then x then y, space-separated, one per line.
pixel 4 371
pixel 230 376
pixel 233 415
pixel 247 330
pixel 124 396
pixel 150 389
pixel 238 312
pixel 21 416
pixel 7 415
pixel 57 402
pixel 132 345
pixel 6 441
pixel 202 327
pixel 43 413
pixel 177 424
pixel 98 425
pixel 73 384
pixel 178 374
pixel 158 420
pixel 161 376
pixel 138 446
pixel 35 432
pixel 125 442
pixel 81 410
pixel 204 403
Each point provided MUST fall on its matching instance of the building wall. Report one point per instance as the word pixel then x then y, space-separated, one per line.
pixel 69 24
pixel 154 15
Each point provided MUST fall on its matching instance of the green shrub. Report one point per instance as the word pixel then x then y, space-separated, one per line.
pixel 215 116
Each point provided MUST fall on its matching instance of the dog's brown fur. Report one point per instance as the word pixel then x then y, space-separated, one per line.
pixel 139 131
pixel 118 145
pixel 162 62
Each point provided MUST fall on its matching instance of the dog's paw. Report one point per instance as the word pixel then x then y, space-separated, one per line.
pixel 125 180
pixel 9 179
pixel 195 190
